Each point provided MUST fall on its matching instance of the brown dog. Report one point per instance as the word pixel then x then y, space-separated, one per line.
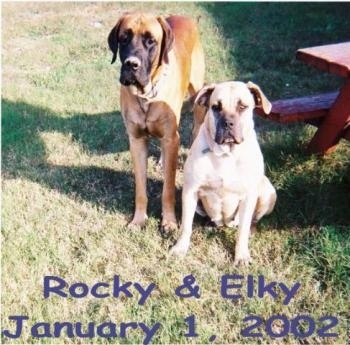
pixel 161 59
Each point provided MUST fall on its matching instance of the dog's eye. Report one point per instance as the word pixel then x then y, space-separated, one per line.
pixel 148 40
pixel 242 107
pixel 217 106
pixel 125 38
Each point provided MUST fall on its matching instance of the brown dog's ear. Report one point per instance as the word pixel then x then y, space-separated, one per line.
pixel 167 41
pixel 261 100
pixel 113 40
pixel 203 95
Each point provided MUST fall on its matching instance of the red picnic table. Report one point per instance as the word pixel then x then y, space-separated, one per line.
pixel 335 59
pixel 330 111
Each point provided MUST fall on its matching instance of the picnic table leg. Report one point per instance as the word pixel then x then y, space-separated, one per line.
pixel 329 132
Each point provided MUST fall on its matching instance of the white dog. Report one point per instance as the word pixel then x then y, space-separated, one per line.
pixel 224 172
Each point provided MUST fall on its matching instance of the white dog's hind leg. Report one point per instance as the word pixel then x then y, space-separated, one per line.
pixel 230 211
pixel 266 200
pixel 200 210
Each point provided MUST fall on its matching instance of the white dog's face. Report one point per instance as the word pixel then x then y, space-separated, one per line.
pixel 230 110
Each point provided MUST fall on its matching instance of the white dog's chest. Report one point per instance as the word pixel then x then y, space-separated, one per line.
pixel 220 197
pixel 221 184
pixel 225 182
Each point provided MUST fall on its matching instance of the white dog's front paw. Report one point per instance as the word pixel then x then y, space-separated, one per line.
pixel 180 248
pixel 242 257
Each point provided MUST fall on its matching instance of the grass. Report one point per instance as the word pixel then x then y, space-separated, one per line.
pixel 67 187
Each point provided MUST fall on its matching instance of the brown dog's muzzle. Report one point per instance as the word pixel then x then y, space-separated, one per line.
pixel 134 71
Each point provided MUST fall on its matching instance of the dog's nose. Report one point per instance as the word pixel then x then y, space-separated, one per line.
pixel 228 124
pixel 133 62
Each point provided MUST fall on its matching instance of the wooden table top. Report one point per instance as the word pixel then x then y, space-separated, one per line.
pixel 332 58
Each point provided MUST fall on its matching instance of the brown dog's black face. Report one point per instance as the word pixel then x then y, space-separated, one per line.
pixel 143 41
pixel 136 56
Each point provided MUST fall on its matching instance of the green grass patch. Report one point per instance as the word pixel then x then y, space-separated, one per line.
pixel 328 251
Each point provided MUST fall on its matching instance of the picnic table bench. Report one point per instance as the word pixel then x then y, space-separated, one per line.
pixel 330 112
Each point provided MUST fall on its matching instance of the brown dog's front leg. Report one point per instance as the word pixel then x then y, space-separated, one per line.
pixel 138 149
pixel 170 149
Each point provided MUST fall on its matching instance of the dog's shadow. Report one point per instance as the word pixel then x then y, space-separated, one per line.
pixel 24 155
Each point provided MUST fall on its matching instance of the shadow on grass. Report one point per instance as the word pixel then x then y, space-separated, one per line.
pixel 328 251
pixel 98 134
pixel 312 191
pixel 24 155
pixel 305 203
pixel 303 198
pixel 262 39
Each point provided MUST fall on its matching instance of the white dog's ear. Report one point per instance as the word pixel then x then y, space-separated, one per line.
pixel 203 95
pixel 261 100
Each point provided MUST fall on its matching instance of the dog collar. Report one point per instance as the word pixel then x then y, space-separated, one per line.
pixel 206 150
pixel 152 89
